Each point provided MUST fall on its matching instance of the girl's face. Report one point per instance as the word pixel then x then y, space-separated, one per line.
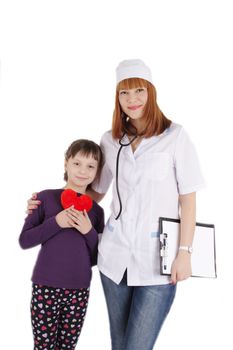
pixel 81 171
pixel 133 102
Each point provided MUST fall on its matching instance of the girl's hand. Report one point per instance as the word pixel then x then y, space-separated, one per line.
pixel 63 219
pixel 79 220
pixel 181 267
pixel 32 203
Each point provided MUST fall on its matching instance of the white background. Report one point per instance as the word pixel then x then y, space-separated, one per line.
pixel 57 84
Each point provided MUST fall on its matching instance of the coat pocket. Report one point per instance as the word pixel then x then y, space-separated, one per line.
pixel 156 166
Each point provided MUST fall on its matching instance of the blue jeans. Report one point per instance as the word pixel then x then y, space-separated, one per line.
pixel 136 314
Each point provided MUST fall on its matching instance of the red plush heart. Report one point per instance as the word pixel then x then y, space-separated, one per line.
pixel 70 197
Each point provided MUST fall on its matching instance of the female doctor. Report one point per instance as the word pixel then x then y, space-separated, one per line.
pixel 155 173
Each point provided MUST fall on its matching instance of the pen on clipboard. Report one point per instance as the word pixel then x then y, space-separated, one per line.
pixel 164 250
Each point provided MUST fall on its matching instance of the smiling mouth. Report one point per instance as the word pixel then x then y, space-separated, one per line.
pixel 134 108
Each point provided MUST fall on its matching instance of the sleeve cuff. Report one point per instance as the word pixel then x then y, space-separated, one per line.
pixel 190 189
pixel 89 235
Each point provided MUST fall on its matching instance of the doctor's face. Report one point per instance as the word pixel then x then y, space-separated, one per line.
pixel 133 102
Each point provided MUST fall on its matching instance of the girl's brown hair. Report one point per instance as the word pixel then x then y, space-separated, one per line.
pixel 86 148
pixel 155 120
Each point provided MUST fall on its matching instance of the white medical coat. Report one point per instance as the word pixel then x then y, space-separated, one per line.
pixel 150 181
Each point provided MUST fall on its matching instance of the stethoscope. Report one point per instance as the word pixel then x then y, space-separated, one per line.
pixel 122 144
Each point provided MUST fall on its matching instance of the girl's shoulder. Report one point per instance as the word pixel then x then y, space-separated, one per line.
pixel 49 193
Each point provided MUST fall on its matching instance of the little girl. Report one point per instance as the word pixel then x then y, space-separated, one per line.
pixel 68 238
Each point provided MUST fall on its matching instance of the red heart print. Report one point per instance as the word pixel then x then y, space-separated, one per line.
pixel 70 197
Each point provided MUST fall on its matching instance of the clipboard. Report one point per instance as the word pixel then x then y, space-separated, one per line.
pixel 203 258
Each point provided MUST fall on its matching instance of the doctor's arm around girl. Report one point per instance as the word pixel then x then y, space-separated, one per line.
pixel 66 225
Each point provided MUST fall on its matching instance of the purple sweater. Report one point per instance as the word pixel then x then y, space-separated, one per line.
pixel 66 255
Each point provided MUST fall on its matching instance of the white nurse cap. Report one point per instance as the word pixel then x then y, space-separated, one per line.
pixel 133 69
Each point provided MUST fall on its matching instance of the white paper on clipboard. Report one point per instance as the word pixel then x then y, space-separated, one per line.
pixel 203 258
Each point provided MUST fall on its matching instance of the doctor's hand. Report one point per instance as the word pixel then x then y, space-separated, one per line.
pixel 181 267
pixel 32 203
pixel 79 220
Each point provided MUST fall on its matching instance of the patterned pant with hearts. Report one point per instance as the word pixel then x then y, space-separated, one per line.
pixel 57 316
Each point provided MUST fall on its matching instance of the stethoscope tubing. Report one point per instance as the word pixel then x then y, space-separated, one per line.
pixel 117 170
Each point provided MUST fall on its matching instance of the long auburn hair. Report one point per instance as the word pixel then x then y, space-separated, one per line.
pixel 155 120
